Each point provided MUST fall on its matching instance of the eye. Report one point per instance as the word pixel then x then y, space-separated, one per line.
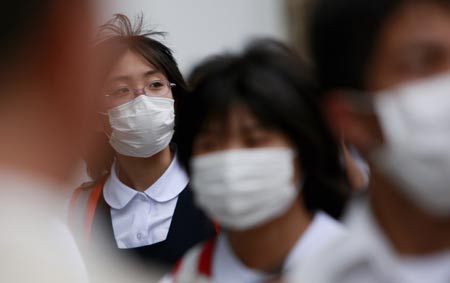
pixel 156 85
pixel 203 145
pixel 258 140
pixel 122 91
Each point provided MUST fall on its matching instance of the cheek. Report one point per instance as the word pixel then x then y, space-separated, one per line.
pixel 384 73
pixel 170 95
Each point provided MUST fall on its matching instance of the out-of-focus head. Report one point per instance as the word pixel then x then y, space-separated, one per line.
pixel 374 44
pixel 384 67
pixel 44 54
pixel 262 99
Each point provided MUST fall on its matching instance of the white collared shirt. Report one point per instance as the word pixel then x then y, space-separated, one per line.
pixel 365 255
pixel 144 218
pixel 228 268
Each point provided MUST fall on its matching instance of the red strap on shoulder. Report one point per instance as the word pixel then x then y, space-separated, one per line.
pixel 205 259
pixel 175 271
pixel 177 267
pixel 217 228
pixel 90 210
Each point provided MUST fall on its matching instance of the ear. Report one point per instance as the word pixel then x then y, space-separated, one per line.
pixel 356 127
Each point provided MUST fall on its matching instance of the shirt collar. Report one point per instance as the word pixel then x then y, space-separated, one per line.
pixel 168 186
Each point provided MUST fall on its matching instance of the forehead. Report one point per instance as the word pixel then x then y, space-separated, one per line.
pixel 130 64
pixel 413 43
pixel 235 116
pixel 417 21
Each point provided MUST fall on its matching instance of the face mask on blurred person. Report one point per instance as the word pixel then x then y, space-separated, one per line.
pixel 415 120
pixel 143 126
pixel 242 189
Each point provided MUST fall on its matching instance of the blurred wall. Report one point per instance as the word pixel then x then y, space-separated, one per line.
pixel 197 28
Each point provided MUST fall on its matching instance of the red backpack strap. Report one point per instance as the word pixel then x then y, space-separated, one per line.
pixel 196 264
pixel 206 258
pixel 217 228
pixel 90 211
pixel 82 211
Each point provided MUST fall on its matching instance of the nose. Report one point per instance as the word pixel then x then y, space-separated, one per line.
pixel 138 92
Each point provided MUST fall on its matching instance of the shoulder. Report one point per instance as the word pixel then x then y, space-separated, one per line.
pixel 90 185
pixel 85 196
pixel 87 188
pixel 329 227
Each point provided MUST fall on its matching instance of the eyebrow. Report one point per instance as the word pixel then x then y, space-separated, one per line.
pixel 152 72
pixel 125 78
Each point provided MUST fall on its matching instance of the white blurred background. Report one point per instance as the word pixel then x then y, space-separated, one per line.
pixel 198 28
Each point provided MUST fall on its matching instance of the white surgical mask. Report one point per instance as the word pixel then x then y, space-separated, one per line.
pixel 242 189
pixel 415 120
pixel 143 126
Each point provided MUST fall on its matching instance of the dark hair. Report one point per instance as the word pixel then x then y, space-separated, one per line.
pixel 269 80
pixel 343 34
pixel 114 38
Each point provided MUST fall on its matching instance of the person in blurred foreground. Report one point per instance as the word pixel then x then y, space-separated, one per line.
pixel 139 206
pixel 262 165
pixel 385 69
pixel 44 54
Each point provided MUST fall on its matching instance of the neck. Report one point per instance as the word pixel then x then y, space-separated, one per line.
pixel 141 173
pixel 266 247
pixel 410 230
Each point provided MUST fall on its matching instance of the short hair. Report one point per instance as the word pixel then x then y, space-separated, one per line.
pixel 270 81
pixel 342 37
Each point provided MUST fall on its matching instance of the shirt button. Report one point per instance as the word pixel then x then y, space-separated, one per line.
pixel 139 236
